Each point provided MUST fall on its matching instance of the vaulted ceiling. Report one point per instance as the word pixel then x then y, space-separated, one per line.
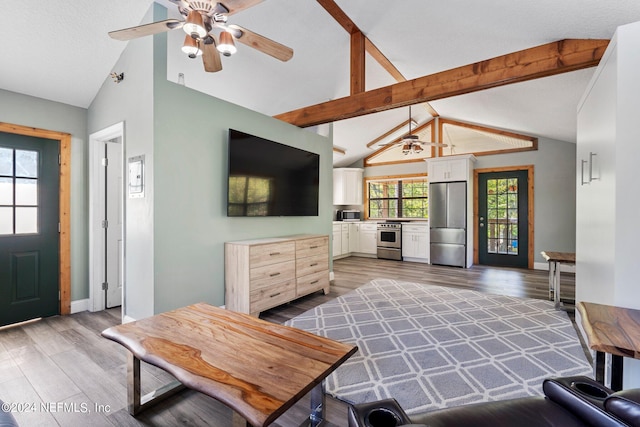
pixel 415 40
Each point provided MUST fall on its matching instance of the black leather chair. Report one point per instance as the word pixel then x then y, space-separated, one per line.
pixel 567 402
pixel 6 418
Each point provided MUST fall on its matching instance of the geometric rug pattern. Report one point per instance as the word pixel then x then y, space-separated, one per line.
pixel 431 346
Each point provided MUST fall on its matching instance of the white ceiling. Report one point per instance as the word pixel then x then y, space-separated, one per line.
pixel 71 56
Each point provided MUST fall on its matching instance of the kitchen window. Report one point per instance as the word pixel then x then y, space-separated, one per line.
pixel 402 198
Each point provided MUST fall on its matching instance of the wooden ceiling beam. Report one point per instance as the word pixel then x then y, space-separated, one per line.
pixel 339 15
pixel 357 63
pixel 540 61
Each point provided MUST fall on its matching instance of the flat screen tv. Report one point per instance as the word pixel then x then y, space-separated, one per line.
pixel 267 178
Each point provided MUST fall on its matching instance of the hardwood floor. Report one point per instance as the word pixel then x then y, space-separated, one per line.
pixel 60 371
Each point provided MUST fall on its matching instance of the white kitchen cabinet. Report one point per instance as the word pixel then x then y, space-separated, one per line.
pixel 347 186
pixel 344 235
pixel 450 168
pixel 368 240
pixel 354 237
pixel 415 242
pixel 337 240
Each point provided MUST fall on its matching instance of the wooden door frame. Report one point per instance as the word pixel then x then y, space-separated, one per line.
pixel 530 221
pixel 64 143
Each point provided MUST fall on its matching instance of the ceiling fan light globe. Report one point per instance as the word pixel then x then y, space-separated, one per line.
pixel 194 25
pixel 226 46
pixel 191 48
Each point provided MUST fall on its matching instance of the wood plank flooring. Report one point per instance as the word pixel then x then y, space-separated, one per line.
pixel 60 371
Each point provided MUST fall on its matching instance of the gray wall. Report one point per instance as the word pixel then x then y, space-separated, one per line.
pixel 190 161
pixel 40 113
pixel 554 186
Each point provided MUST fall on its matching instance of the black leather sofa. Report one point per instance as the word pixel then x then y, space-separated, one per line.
pixel 567 402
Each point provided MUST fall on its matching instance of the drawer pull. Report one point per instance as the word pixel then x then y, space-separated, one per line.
pixel 274 253
pixel 314 247
pixel 314 282
pixel 274 274
pixel 275 295
pixel 313 265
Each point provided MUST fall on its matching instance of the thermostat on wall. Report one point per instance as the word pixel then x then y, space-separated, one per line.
pixel 136 176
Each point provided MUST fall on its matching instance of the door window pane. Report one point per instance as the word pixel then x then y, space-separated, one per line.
pixel 6 220
pixel 26 164
pixel 26 220
pixel 6 161
pixel 502 216
pixel 26 192
pixel 6 191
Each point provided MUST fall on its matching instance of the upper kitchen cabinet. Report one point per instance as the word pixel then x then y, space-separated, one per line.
pixel 450 168
pixel 347 186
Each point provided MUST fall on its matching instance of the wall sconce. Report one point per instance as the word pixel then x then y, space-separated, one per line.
pixel 117 78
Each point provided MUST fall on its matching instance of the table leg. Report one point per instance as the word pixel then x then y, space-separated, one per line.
pixel 617 364
pixel 318 405
pixel 551 280
pixel 556 284
pixel 137 403
pixel 599 367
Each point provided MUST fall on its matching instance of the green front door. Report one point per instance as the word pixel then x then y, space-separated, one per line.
pixel 503 207
pixel 29 236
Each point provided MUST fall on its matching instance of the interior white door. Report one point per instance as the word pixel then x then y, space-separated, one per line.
pixel 114 273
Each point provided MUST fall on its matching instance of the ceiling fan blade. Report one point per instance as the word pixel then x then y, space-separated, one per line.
pixel 235 6
pixel 146 29
pixel 211 58
pixel 261 43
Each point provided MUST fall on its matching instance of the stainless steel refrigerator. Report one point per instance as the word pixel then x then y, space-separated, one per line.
pixel 448 223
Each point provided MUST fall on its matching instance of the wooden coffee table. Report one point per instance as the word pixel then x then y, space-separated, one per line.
pixel 257 368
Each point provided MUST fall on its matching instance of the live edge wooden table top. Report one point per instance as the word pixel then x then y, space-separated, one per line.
pixel 257 368
pixel 610 329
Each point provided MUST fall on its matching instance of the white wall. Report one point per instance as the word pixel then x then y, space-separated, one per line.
pixel 131 102
pixel 607 268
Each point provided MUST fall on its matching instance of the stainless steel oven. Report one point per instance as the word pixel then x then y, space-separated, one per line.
pixel 390 240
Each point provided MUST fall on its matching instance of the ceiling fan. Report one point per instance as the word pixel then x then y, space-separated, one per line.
pixel 202 17
pixel 410 143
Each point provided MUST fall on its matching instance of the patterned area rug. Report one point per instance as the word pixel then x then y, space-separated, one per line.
pixel 432 347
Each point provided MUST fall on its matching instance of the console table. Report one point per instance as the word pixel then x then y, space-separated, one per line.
pixel 257 368
pixel 613 330
pixel 555 259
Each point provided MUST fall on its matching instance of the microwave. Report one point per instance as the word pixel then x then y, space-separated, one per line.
pixel 348 215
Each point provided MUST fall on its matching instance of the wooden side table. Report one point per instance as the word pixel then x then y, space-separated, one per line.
pixel 555 259
pixel 613 330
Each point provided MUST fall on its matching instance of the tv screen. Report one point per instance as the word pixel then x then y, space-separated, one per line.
pixel 267 178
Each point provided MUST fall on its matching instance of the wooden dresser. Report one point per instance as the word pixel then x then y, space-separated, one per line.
pixel 263 273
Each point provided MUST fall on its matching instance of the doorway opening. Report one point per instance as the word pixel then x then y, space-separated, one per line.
pixel 106 218
pixel 63 141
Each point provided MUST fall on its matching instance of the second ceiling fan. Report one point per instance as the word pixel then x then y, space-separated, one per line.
pixel 410 143
pixel 207 32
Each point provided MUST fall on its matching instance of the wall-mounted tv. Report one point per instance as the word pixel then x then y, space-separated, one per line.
pixel 267 178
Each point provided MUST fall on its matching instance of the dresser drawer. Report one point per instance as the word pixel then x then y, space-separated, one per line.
pixel 270 274
pixel 271 253
pixel 312 282
pixel 312 264
pixel 268 297
pixel 310 247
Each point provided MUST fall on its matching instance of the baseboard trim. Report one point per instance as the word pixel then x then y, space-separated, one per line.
pixel 564 268
pixel 79 305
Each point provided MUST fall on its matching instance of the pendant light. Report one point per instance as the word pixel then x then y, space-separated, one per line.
pixel 194 26
pixel 226 46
